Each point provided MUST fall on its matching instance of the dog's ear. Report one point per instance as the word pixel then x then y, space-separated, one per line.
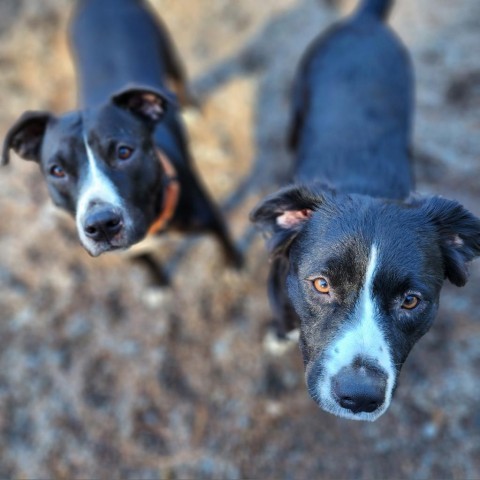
pixel 283 214
pixel 459 236
pixel 150 104
pixel 26 136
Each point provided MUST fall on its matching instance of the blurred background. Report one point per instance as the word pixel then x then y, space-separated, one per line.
pixel 102 376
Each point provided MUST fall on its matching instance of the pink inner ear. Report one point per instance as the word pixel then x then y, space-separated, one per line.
pixel 293 218
pixel 152 106
pixel 455 241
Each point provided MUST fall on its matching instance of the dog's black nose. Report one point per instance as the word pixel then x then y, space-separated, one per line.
pixel 102 224
pixel 360 388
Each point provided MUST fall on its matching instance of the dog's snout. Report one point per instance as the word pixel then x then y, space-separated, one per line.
pixel 103 224
pixel 359 388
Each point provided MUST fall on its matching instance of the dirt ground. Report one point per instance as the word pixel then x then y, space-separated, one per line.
pixel 102 376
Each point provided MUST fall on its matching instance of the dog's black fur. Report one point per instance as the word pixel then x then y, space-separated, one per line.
pixel 358 260
pixel 124 61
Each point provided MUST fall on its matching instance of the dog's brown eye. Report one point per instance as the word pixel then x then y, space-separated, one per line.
pixel 321 285
pixel 124 152
pixel 57 171
pixel 410 302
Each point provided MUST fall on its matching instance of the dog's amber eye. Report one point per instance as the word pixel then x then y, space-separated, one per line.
pixel 124 152
pixel 410 302
pixel 57 171
pixel 321 285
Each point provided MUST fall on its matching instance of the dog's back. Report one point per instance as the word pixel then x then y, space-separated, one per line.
pixel 116 43
pixel 352 108
pixel 361 276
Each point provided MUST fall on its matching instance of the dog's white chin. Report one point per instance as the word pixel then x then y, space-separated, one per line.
pixel 95 250
pixel 360 416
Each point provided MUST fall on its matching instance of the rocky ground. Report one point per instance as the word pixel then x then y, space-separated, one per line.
pixel 102 376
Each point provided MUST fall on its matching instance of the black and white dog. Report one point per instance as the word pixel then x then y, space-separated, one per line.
pixel 357 260
pixel 120 164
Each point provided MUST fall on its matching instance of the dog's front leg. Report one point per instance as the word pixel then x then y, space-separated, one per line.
pixel 157 274
pixel 285 319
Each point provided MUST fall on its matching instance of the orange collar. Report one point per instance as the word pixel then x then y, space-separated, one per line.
pixel 171 194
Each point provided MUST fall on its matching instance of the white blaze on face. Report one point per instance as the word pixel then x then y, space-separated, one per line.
pixel 97 188
pixel 362 338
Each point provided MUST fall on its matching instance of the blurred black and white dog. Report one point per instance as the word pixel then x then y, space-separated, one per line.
pixel 358 261
pixel 120 164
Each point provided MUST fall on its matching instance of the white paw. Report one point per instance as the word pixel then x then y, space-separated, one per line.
pixel 279 346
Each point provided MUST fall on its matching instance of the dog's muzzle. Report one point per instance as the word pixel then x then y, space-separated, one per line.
pixel 103 224
pixel 359 388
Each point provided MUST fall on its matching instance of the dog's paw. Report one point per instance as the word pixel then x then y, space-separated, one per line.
pixel 156 298
pixel 278 346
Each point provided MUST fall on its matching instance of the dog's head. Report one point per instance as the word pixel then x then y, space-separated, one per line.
pixel 364 278
pixel 99 164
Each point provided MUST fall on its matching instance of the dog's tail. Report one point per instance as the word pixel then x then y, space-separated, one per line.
pixel 376 8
